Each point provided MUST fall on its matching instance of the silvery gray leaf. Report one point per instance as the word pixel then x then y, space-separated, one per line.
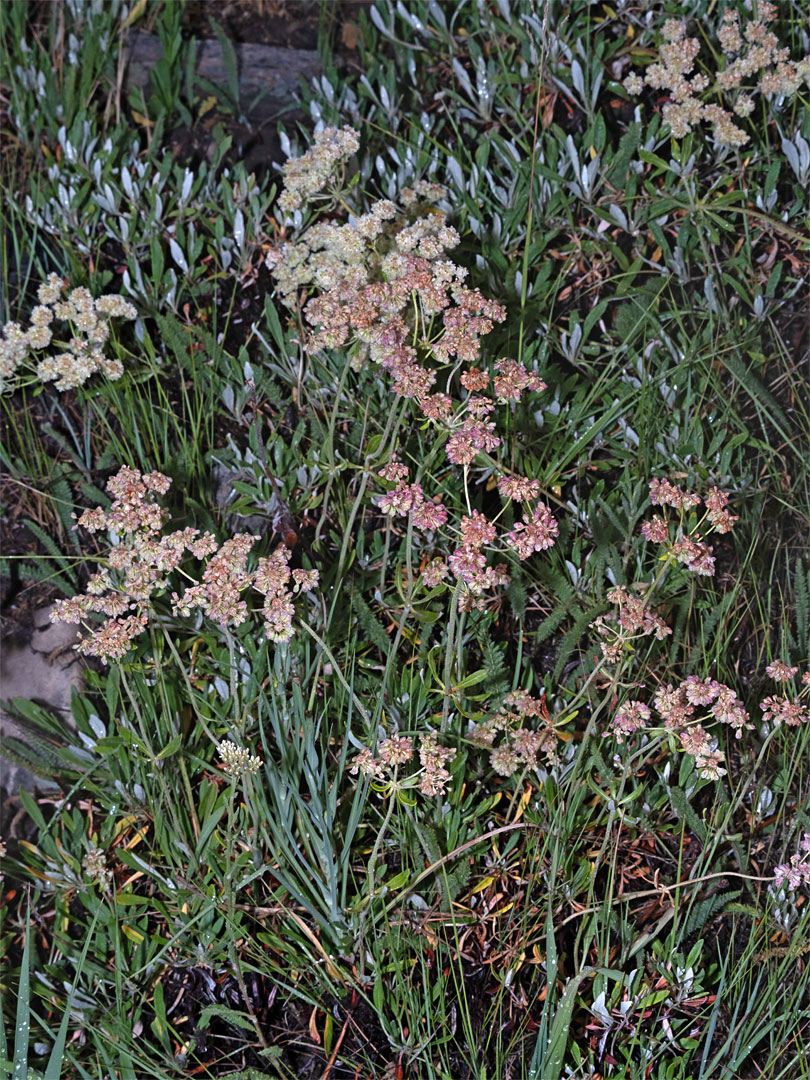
pixel 177 255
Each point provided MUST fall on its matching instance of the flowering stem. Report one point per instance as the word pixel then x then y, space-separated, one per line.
pixel 467 490
pixel 524 283
pixel 347 532
pixel 233 679
pixel 406 610
pixel 668 561
pixel 157 766
pixel 191 691
pixel 375 851
pixel 330 446
pixel 386 551
pixel 336 668
pixel 580 695
pixel 230 901
pixel 180 758
pixel 448 655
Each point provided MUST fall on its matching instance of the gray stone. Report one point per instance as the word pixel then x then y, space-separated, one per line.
pixel 45 669
pixel 263 69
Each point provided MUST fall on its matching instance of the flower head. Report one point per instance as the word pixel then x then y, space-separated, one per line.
pixel 237 761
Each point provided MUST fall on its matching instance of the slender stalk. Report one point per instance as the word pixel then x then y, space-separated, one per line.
pixel 448 655
pixel 230 902
pixel 375 851
pixel 336 669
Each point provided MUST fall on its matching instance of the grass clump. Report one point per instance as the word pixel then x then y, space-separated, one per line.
pixel 505 372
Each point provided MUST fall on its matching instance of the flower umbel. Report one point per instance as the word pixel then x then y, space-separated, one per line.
pixel 384 286
pixel 141 562
pixel 746 55
pixel 82 343
pixel 237 761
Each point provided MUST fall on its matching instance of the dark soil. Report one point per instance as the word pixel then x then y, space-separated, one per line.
pixel 290 24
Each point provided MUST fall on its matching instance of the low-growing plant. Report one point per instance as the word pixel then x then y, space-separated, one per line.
pixel 89 322
pixel 508 792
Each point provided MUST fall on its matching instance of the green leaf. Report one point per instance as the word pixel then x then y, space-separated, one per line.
pixel 703 910
pixel 548 1064
pixel 473 679
pixel 53 1070
pixel 274 323
pixel 760 396
pixel 368 622
pixel 229 62
pixel 22 1027
pixel 230 1016
pixel 683 809
pixel 31 808
pixel 171 747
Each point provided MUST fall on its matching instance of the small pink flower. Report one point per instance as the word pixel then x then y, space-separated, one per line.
pixel 630 717
pixel 434 573
pixel 700 691
pixel 656 530
pixel 519 488
pixel 396 750
pixel 402 500
pixel 514 379
pixel 780 672
pixel 662 493
pixel 538 534
pixel 477 530
pixel 429 515
pixel 306 580
pixel 467 563
pixel 474 379
pixel 394 471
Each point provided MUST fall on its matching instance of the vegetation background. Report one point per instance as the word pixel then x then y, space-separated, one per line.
pixel 214 888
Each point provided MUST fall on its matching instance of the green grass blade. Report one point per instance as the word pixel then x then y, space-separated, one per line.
pixel 552 1059
pixel 53 1070
pixel 22 1032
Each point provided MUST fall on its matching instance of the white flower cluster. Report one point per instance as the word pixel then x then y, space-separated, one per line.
pixel 236 760
pixel 335 257
pixel 82 353
pixel 748 52
pixel 321 167
pixel 95 867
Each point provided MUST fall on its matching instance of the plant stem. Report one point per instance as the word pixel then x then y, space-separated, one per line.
pixel 230 901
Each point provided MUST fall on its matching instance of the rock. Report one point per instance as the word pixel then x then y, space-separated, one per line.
pixel 264 70
pixel 44 670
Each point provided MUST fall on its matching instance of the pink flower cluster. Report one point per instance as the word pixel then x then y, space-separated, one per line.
pixel 778 709
pixel 141 560
pixel 521 744
pixel 383 284
pixel 536 534
pixel 632 619
pixel 432 776
pixel 796 872
pixel 689 549
pixel 681 709
pixel 468 562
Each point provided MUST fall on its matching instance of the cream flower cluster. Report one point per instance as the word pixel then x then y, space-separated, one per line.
pixel 141 561
pixel 431 778
pixel 80 349
pixel 321 167
pixel 384 287
pixel 748 52
pixel 237 761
